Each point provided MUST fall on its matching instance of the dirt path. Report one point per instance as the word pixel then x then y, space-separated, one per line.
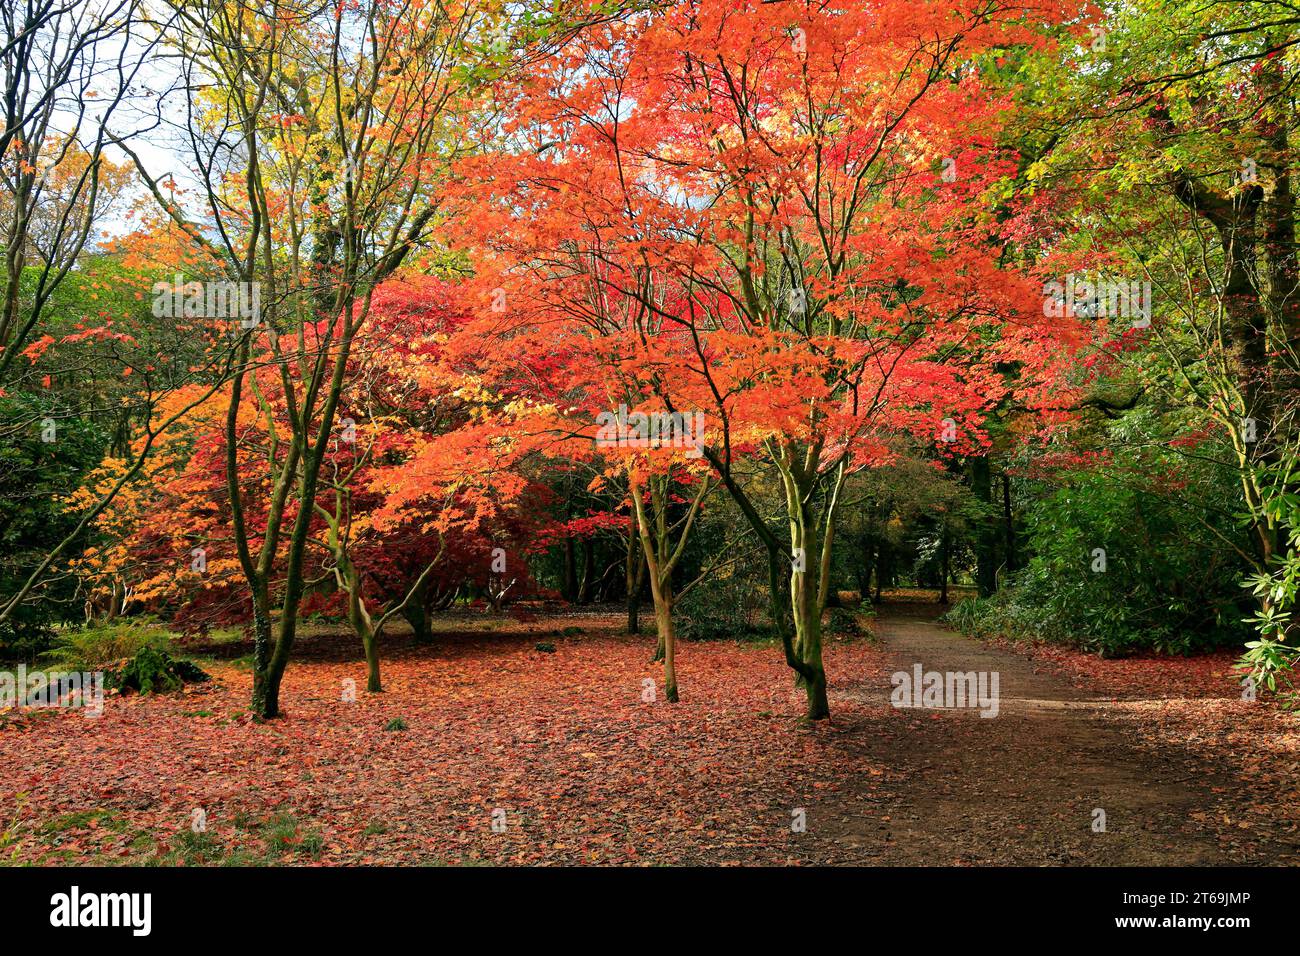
pixel 1020 788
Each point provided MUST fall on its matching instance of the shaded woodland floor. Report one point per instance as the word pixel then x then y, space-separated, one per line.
pixel 482 727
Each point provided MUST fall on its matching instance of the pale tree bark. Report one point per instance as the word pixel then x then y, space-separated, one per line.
pixel 663 542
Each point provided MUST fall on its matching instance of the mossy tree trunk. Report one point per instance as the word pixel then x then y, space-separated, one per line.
pixel 811 538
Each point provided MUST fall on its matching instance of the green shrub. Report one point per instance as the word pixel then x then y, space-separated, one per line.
pixel 719 609
pixel 991 617
pixel 1165 585
pixel 154 671
pixel 97 646
pixel 844 622
pixel 1269 659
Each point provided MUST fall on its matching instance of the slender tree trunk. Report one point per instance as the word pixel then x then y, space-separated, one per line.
pixel 986 550
pixel 883 558
pixel 661 557
pixel 661 592
pixel 294 580
pixel 365 628
pixel 943 564
pixel 570 588
pixel 117 602
pixel 588 571
pixel 863 570
pixel 636 580
pixel 373 684
pixel 1008 524
pixel 667 641
pixel 361 622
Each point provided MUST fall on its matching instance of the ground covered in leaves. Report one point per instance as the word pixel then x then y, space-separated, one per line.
pixel 486 749
pixel 480 727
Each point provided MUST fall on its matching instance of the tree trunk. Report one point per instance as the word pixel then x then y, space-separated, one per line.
pixel 1256 231
pixel 636 580
pixel 570 588
pixel 943 564
pixel 269 697
pixel 863 570
pixel 264 705
pixel 633 575
pixel 661 591
pixel 117 602
pixel 807 608
pixel 779 591
pixel 294 582
pixel 1008 524
pixel 371 646
pixel 418 617
pixel 986 546
pixel 882 566
pixel 660 560
pixel 588 571
pixel 668 642
pixel 359 618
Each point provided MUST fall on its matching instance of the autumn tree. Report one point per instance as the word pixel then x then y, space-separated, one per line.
pixel 320 132
pixel 800 189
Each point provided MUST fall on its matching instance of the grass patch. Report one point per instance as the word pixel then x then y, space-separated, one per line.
pixel 197 849
pixel 83 820
pixel 284 835
pixel 282 840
